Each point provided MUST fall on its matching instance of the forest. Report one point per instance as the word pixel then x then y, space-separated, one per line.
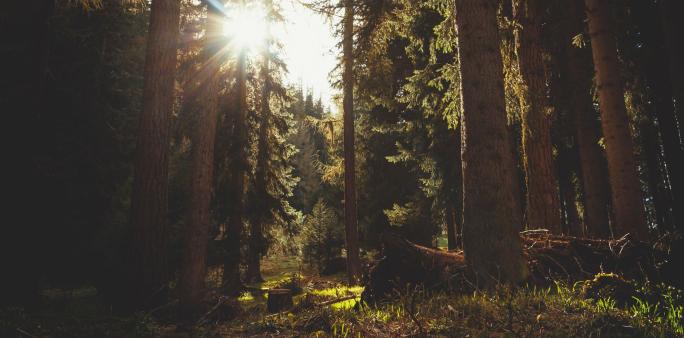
pixel 489 168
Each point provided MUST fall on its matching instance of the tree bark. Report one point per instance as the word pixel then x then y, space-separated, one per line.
pixel 624 181
pixel 150 200
pixel 350 213
pixel 205 85
pixel 543 204
pixel 231 266
pixel 491 219
pixel 595 188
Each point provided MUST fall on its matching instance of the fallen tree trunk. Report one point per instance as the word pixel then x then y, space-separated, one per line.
pixel 549 257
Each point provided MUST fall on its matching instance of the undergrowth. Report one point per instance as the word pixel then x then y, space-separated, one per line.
pixel 559 311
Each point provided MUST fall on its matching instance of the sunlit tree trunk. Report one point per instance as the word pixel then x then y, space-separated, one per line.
pixel 204 88
pixel 624 181
pixel 491 219
pixel 543 204
pixel 149 200
pixel 231 244
pixel 350 214
pixel 593 173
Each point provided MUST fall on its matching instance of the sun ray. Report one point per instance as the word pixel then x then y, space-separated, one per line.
pixel 245 26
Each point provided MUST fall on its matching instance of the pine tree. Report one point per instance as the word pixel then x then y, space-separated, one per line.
pixel 273 181
pixel 594 177
pixel 491 219
pixel 350 215
pixel 543 205
pixel 150 199
pixel 235 223
pixel 624 182
pixel 204 88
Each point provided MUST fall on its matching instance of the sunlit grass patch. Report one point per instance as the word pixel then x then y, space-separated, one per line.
pixel 246 297
pixel 346 304
pixel 338 291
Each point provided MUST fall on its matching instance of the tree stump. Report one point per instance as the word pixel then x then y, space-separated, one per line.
pixel 279 300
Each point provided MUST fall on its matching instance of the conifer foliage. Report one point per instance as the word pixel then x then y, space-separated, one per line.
pixel 161 151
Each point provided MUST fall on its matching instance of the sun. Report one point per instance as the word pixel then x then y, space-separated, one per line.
pixel 246 27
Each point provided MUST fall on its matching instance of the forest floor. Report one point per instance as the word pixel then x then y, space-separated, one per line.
pixel 560 311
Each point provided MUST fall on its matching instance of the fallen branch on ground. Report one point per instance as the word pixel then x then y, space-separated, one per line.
pixel 549 258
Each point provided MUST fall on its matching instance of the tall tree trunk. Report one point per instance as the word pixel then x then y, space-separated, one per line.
pixel 205 86
pixel 350 214
pixel 256 239
pixel 594 176
pixel 543 204
pixel 624 182
pixel 491 219
pixel 654 179
pixel 231 244
pixel 149 202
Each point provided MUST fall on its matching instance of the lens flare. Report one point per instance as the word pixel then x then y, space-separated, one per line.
pixel 245 27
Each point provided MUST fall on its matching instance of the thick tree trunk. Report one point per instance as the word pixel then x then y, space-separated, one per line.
pixel 624 181
pixel 594 177
pixel 543 204
pixel 491 219
pixel 204 88
pixel 231 244
pixel 350 214
pixel 149 200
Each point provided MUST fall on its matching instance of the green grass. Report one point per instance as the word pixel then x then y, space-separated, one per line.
pixel 559 311
pixel 338 291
